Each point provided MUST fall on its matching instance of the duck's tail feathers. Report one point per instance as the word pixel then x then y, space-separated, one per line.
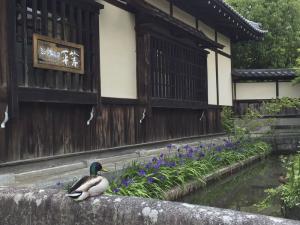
pixel 74 195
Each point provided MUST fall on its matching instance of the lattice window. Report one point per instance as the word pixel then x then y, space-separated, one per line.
pixel 74 21
pixel 178 72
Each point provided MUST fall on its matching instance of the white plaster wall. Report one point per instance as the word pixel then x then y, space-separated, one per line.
pixel 255 90
pixel 287 89
pixel 207 30
pixel 117 52
pixel 184 16
pixel 163 5
pixel 211 65
pixel 211 78
pixel 222 39
pixel 225 81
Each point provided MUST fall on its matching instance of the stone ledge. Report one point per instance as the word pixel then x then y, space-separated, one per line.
pixel 49 207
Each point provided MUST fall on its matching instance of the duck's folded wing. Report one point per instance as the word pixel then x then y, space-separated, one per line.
pixel 89 183
pixel 99 188
pixel 79 183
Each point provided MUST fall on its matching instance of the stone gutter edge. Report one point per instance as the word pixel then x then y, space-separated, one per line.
pixel 181 191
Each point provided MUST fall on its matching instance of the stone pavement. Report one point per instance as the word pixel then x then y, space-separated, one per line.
pixel 63 171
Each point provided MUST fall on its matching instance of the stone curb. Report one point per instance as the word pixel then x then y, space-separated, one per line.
pixel 49 207
pixel 181 191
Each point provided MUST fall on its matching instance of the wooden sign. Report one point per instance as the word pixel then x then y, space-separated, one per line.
pixel 54 54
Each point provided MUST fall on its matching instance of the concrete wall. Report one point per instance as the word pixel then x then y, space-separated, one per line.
pixel 255 90
pixel 266 90
pixel 49 207
pixel 117 52
pixel 287 89
pixel 225 80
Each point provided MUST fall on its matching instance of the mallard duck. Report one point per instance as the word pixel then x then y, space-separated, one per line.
pixel 282 179
pixel 89 186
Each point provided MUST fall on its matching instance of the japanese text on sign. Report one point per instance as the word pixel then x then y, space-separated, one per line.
pixel 55 54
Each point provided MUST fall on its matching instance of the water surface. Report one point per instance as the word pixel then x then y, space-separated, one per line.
pixel 243 190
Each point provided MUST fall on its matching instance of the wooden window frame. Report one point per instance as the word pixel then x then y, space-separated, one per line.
pixel 145 76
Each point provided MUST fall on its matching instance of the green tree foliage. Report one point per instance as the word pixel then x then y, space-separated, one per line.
pixel 297 79
pixel 279 48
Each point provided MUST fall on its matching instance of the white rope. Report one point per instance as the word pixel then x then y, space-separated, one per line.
pixel 202 116
pixel 5 118
pixel 92 114
pixel 143 117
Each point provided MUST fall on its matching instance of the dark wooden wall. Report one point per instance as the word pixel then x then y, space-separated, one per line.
pixel 44 129
pixel 3 72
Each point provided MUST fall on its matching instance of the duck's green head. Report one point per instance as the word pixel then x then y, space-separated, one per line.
pixel 95 168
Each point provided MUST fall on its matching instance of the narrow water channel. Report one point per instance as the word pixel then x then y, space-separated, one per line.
pixel 243 190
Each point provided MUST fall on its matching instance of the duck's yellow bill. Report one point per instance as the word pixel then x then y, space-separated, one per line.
pixel 105 170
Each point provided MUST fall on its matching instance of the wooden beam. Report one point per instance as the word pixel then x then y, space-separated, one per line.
pixel 56 96
pixel 121 5
pixel 224 54
pixel 119 101
pixel 177 104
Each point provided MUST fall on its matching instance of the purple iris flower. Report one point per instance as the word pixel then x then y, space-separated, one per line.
pixel 186 147
pixel 172 164
pixel 202 145
pixel 156 166
pixel 202 154
pixel 148 166
pixel 150 180
pixel 127 182
pixel 169 146
pixel 196 149
pixel 154 159
pixel 116 190
pixel 190 153
pixel 142 173
pixel 229 145
pixel 218 148
pixel 161 155
pixel 159 163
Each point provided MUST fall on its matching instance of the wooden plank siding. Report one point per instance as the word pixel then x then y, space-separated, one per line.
pixel 4 70
pixel 55 129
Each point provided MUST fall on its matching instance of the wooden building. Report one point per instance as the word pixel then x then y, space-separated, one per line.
pixel 83 75
pixel 252 87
